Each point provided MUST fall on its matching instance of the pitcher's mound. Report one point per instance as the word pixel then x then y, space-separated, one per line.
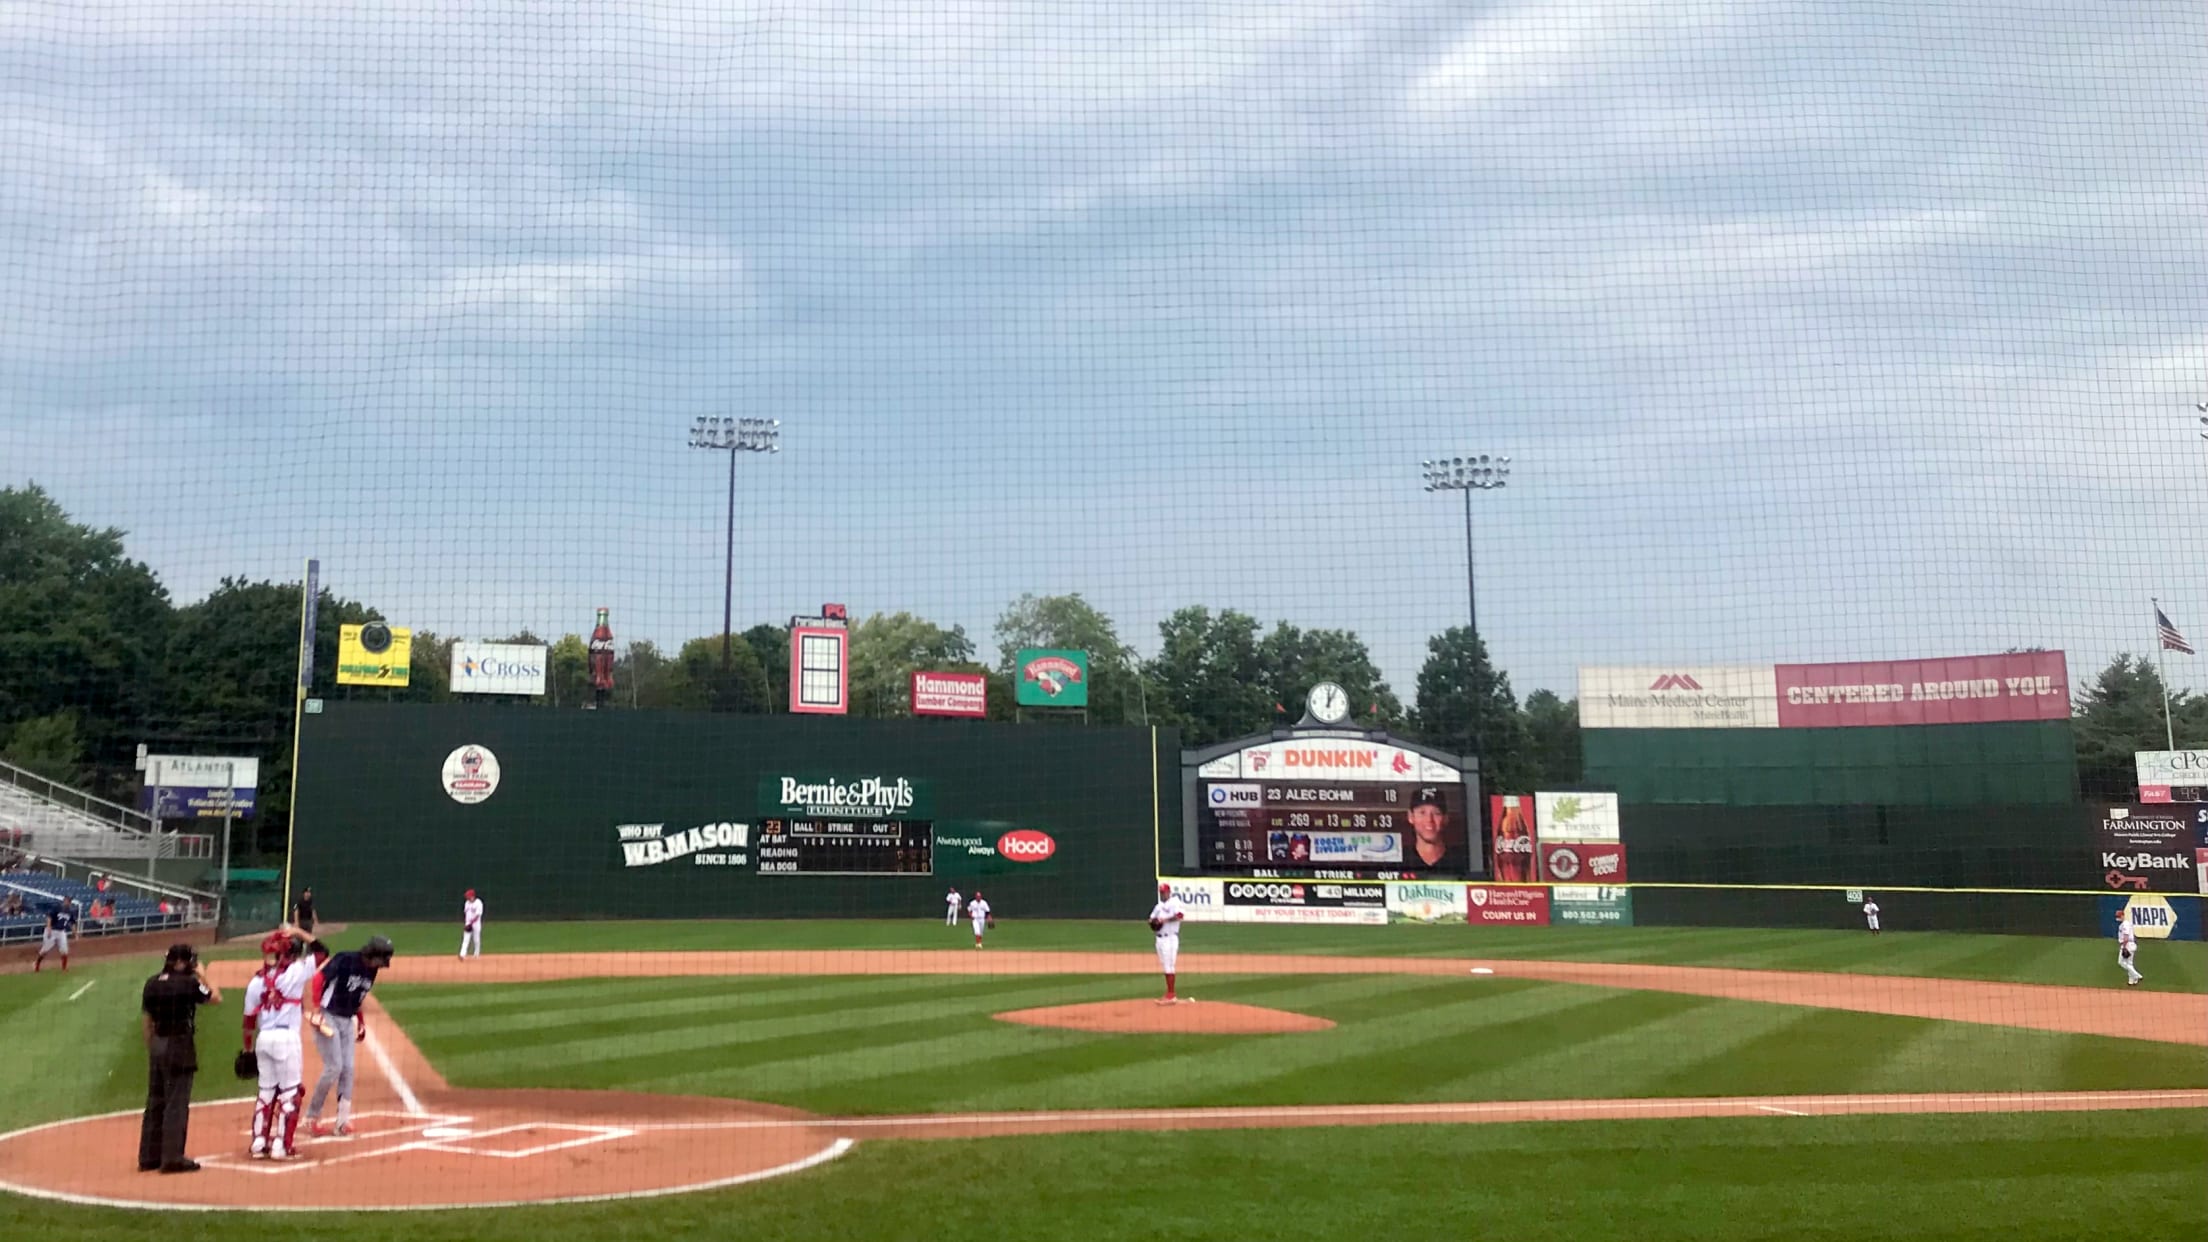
pixel 1148 1017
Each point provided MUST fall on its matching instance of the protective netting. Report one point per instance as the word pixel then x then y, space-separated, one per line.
pixel 1742 447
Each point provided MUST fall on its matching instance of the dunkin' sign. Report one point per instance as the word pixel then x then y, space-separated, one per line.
pixel 1516 907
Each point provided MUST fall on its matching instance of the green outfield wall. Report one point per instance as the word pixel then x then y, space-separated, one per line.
pixel 1924 765
pixel 583 815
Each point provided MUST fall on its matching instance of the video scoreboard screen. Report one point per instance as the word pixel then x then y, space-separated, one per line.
pixel 846 847
pixel 1338 828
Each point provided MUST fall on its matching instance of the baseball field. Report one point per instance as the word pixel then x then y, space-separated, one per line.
pixel 1589 1083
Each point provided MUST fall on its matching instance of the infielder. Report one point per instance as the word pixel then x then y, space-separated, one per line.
pixel 338 989
pixel 273 1008
pixel 1870 916
pixel 978 911
pixel 59 924
pixel 471 925
pixel 950 908
pixel 1165 922
pixel 2127 947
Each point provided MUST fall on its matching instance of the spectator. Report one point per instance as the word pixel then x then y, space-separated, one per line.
pixel 166 908
pixel 11 905
pixel 100 882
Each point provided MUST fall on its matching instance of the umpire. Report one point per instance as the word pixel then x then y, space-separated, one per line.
pixel 171 1006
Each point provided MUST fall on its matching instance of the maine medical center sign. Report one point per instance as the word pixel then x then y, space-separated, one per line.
pixel 2014 686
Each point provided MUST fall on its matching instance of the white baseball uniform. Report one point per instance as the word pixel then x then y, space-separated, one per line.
pixel 2127 946
pixel 274 1001
pixel 1169 914
pixel 1870 914
pixel 471 927
pixel 950 908
pixel 978 911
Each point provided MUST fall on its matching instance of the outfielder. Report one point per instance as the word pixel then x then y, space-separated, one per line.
pixel 59 924
pixel 978 911
pixel 1165 922
pixel 950 908
pixel 2127 947
pixel 273 1008
pixel 1870 916
pixel 338 989
pixel 471 925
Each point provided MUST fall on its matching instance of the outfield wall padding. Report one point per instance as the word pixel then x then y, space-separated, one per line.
pixel 2021 914
pixel 2005 763
pixel 378 835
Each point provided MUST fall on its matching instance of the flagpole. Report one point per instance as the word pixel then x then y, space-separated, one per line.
pixel 2169 734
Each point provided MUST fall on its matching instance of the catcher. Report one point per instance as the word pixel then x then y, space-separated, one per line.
pixel 274 1006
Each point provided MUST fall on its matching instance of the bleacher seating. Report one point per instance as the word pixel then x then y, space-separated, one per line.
pixel 43 892
pixel 54 828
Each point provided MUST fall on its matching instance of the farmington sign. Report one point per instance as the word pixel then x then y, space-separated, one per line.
pixel 2027 685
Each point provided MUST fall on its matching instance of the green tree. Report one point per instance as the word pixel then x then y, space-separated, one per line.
pixel 1466 705
pixel 1552 741
pixel 2119 713
pixel 567 672
pixel 704 683
pixel 1295 660
pixel 644 677
pixel 82 627
pixel 1116 694
pixel 49 746
pixel 771 645
pixel 886 649
pixel 1209 676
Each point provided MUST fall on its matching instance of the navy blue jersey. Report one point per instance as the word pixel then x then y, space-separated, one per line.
pixel 346 980
pixel 62 920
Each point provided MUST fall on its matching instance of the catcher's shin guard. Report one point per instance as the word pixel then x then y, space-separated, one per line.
pixel 289 1097
pixel 264 1115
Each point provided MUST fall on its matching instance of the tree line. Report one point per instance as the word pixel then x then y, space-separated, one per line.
pixel 96 658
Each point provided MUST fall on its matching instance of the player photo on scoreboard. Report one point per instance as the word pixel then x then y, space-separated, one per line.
pixel 1362 827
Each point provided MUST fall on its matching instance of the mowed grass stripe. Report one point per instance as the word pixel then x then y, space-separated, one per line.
pixel 615 1007
pixel 1308 1067
pixel 830 1023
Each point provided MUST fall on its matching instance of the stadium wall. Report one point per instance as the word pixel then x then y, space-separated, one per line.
pixel 379 832
pixel 1971 765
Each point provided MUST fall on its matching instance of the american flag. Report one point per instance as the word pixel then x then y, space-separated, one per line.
pixel 2171 639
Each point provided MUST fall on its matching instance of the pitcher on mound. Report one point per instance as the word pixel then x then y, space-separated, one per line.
pixel 1165 924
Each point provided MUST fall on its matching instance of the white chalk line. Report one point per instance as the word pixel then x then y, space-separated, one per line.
pixel 407 1097
pixel 1687 1105
pixel 89 984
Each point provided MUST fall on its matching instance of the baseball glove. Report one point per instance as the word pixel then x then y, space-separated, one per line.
pixel 1157 925
pixel 245 1065
pixel 992 920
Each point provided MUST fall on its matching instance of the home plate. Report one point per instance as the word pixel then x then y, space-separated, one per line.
pixel 1482 970
pixel 447 1132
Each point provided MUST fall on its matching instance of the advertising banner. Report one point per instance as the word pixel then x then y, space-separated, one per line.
pixel 1591 905
pixel 1047 677
pixel 2028 685
pixel 1517 907
pixel 1670 696
pixel 1516 838
pixel 200 786
pixel 498 668
pixel 2172 775
pixel 375 655
pixel 1282 902
pixel 1328 759
pixel 1576 816
pixel 976 848
pixel 2152 917
pixel 2147 849
pixel 1582 862
pixel 1307 893
pixel 1426 903
pixel 950 694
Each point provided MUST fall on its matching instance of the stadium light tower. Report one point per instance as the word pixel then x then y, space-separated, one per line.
pixel 733 436
pixel 1468 475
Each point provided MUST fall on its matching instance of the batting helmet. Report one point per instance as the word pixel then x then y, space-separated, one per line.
pixel 378 950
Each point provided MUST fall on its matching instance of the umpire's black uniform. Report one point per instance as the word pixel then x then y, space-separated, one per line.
pixel 171 1004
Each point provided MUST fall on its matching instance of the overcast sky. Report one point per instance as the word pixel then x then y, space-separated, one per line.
pixel 1816 330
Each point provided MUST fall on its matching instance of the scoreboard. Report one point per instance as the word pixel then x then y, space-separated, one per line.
pixel 1330 810
pixel 846 847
